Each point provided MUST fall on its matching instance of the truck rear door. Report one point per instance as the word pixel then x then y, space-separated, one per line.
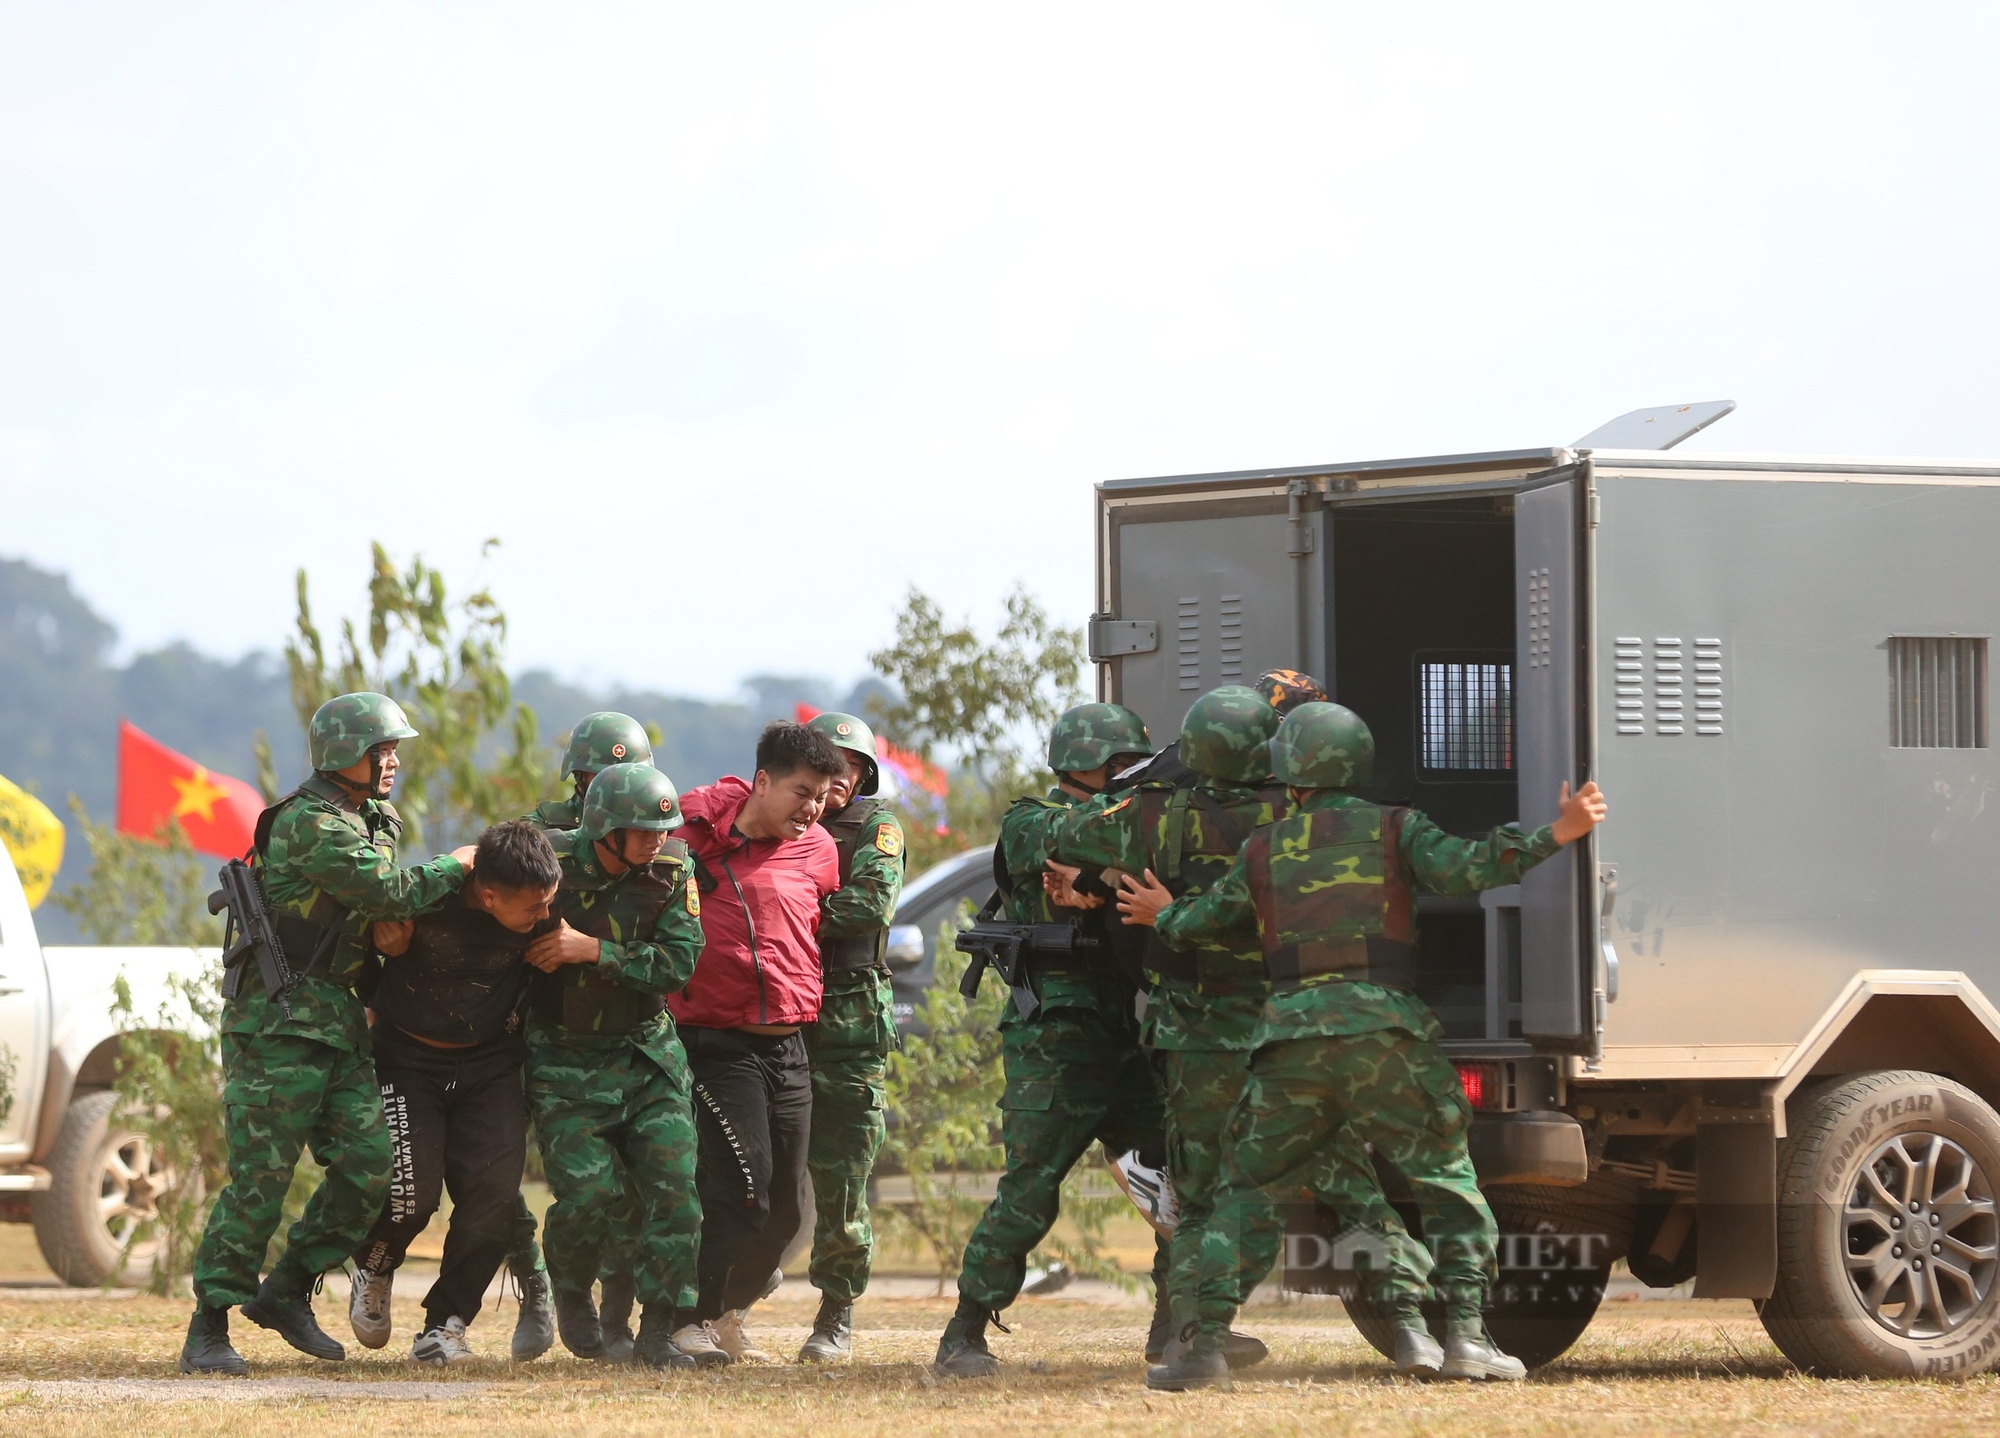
pixel 1558 962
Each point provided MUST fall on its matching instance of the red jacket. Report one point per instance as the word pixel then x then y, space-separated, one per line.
pixel 759 916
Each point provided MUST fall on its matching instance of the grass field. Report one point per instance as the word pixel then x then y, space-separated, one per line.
pixel 74 1365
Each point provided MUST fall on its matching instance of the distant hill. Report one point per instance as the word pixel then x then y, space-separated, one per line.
pixel 61 698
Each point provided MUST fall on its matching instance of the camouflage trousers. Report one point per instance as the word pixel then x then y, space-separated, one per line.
pixel 848 1049
pixel 1074 1077
pixel 1296 1135
pixel 282 1094
pixel 613 1118
pixel 1202 1088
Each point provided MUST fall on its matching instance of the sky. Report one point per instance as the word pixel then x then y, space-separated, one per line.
pixel 732 323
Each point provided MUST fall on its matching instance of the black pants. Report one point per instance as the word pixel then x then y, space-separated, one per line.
pixel 457 1121
pixel 753 1111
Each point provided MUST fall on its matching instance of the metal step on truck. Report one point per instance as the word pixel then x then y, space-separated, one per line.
pixel 1745 1035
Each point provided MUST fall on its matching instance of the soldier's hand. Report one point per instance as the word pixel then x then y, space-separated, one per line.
pixel 1059 883
pixel 464 852
pixel 392 936
pixel 562 945
pixel 1141 902
pixel 1580 812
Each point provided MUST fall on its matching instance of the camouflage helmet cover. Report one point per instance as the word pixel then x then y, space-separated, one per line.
pixel 851 734
pixel 1323 746
pixel 603 739
pixel 347 726
pixel 1227 735
pixel 1090 735
pixel 1285 689
pixel 629 796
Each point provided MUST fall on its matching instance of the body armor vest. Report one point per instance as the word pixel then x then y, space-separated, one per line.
pixel 1192 858
pixel 1332 902
pixel 854 951
pixel 583 1000
pixel 312 943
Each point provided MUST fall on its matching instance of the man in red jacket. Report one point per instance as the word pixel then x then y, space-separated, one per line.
pixel 763 864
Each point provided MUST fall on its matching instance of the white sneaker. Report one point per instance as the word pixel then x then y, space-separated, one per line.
pixel 442 1345
pixel 697 1340
pixel 732 1336
pixel 368 1307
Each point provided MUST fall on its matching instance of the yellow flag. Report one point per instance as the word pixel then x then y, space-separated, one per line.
pixel 33 837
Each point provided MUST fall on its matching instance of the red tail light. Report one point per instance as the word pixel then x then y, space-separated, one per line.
pixel 1475 1079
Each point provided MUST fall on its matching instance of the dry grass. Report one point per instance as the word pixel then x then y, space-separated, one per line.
pixel 1072 1367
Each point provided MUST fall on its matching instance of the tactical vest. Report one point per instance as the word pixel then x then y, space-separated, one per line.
pixel 312 942
pixel 1188 862
pixel 855 951
pixel 582 999
pixel 1331 899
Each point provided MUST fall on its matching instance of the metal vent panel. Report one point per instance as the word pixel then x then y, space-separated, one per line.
pixel 1668 685
pixel 1937 693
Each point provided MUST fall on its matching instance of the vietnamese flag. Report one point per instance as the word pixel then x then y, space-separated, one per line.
pixel 157 786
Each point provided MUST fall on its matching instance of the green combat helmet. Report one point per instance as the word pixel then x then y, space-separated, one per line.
pixel 1092 734
pixel 345 728
pixel 601 740
pixel 1323 746
pixel 629 796
pixel 851 734
pixel 1227 735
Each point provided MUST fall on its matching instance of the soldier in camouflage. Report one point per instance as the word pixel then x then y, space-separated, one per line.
pixel 849 1044
pixel 1203 1006
pixel 1076 1073
pixel 325 856
pixel 597 742
pixel 607 1078
pixel 1345 1049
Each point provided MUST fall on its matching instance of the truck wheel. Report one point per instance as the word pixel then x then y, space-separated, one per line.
pixel 104 1180
pixel 1888 1237
pixel 1555 1259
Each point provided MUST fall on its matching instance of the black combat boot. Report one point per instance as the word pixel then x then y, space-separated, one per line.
pixel 1202 1366
pixel 1162 1328
pixel 832 1339
pixel 576 1320
pixel 962 1352
pixel 1239 1350
pixel 284 1305
pixel 207 1349
pixel 614 1318
pixel 535 1325
pixel 655 1346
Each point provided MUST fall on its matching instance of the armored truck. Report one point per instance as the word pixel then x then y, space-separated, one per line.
pixel 1745 1035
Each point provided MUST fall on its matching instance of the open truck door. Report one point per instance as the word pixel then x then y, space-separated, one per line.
pixel 1558 960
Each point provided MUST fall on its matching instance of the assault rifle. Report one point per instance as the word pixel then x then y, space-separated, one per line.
pixel 1009 949
pixel 249 931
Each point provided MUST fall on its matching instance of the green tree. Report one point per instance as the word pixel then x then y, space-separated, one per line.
pixel 983 706
pixel 478 760
pixel 141 891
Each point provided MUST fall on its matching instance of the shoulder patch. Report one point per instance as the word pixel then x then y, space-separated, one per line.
pixel 693 892
pixel 1119 805
pixel 889 840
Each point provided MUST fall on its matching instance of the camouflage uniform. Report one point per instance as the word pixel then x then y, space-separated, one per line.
pixel 308 1079
pixel 1345 1051
pixel 607 1078
pixel 849 1044
pixel 1202 1010
pixel 1076 1075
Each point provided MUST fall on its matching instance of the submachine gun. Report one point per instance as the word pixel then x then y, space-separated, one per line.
pixel 1011 950
pixel 249 932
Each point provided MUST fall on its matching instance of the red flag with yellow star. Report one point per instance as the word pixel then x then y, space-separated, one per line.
pixel 157 787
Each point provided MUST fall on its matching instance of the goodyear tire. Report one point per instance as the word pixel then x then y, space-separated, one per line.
pixel 1555 1259
pixel 1888 1234
pixel 104 1178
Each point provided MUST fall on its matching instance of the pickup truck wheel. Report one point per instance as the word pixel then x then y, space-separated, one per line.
pixel 1554 1264
pixel 105 1179
pixel 1888 1234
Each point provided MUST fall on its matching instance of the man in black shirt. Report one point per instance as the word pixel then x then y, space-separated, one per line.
pixel 448 1055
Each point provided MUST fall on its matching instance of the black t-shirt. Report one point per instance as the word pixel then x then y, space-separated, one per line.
pixel 461 980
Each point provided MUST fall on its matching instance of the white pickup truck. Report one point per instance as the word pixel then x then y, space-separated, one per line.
pixel 68 1164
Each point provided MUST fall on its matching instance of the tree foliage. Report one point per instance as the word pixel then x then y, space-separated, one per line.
pixel 477 760
pixel 141 891
pixel 983 705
